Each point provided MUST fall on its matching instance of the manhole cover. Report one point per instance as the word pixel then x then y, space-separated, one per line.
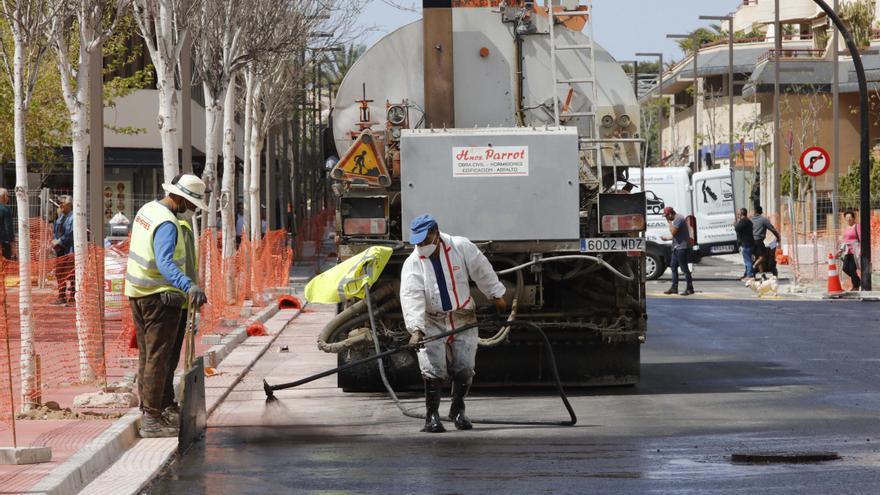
pixel 783 457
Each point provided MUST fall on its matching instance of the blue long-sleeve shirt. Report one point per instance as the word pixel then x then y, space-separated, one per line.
pixel 64 233
pixel 164 242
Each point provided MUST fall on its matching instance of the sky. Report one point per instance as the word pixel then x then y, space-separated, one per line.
pixel 616 28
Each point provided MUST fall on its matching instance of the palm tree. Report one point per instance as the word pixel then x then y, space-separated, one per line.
pixel 703 35
pixel 340 63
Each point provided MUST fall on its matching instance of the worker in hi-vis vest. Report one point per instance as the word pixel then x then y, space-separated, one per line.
pixel 159 280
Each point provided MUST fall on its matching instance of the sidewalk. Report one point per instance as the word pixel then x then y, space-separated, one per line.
pixel 69 438
pixel 718 277
pixel 105 455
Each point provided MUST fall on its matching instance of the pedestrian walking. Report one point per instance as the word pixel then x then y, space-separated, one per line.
pixel 851 250
pixel 764 258
pixel 746 239
pixel 681 246
pixel 159 282
pixel 7 235
pixel 435 298
pixel 62 244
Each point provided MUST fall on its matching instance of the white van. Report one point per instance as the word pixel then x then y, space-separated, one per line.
pixel 708 196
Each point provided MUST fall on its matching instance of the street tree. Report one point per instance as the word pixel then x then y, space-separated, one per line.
pixel 163 24
pixel 80 29
pixel 279 33
pixel 30 22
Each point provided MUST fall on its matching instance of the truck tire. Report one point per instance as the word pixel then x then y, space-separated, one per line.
pixel 655 265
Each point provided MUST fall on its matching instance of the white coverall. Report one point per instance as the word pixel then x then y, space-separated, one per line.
pixel 422 304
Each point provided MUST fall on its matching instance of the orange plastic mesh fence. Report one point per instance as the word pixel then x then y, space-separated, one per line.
pixel 7 394
pixel 309 233
pixel 71 356
pixel 807 254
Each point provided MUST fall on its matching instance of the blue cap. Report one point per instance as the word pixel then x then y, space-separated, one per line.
pixel 419 227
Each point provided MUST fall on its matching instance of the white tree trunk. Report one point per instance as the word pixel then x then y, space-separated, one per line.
pixel 250 79
pixel 256 150
pixel 227 191
pixel 80 145
pixel 167 120
pixel 213 120
pixel 29 386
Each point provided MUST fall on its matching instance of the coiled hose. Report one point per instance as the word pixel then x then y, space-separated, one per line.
pixel 511 324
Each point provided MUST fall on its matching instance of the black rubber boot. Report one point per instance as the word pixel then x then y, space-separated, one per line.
pixel 460 388
pixel 432 406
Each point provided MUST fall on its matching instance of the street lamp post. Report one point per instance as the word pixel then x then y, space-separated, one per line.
pixel 729 20
pixel 864 148
pixel 835 118
pixel 659 88
pixel 696 46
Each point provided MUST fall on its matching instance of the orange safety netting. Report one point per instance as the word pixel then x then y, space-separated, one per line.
pixel 71 356
pixel 807 255
pixel 309 233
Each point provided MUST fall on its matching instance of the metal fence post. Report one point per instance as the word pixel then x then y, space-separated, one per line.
pixel 43 259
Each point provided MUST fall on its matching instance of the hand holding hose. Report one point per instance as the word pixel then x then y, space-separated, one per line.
pixel 416 339
pixel 500 305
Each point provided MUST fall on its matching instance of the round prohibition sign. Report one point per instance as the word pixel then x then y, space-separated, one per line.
pixel 815 161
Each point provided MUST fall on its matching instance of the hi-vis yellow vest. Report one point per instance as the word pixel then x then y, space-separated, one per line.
pixel 143 278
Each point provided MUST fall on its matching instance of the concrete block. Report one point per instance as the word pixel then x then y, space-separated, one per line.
pixel 211 339
pixel 25 455
pixel 102 399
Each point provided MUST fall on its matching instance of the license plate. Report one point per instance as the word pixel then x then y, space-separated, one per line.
pixel 612 244
pixel 722 249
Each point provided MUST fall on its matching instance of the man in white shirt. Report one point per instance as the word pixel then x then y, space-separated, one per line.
pixel 435 298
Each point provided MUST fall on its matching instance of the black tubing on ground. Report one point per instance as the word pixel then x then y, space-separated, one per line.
pixel 513 324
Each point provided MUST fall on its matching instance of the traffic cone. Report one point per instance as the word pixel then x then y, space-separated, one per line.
pixel 834 286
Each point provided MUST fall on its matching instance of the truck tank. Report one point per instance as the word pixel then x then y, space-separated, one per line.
pixel 485 80
pixel 490 85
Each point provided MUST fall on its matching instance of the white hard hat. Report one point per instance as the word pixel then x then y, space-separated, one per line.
pixel 190 188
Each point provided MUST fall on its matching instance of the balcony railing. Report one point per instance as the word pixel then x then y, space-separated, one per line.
pixel 791 53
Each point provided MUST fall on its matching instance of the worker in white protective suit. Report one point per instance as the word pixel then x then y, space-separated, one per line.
pixel 435 298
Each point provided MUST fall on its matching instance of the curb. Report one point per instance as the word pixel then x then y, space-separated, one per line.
pixel 216 354
pixel 94 458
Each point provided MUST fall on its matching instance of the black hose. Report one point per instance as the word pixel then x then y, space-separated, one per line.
pixel 270 389
pixel 513 324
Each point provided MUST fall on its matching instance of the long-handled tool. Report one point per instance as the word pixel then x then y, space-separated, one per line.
pixel 189 341
pixel 270 389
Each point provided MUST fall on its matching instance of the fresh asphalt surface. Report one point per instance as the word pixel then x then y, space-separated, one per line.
pixel 720 376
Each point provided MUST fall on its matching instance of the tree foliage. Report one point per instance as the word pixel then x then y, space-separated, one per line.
pixel 48 126
pixel 716 33
pixel 341 62
pixel 859 15
pixel 850 185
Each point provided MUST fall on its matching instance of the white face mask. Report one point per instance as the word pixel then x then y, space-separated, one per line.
pixel 426 251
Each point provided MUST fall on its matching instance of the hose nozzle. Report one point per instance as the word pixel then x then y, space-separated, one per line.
pixel 270 392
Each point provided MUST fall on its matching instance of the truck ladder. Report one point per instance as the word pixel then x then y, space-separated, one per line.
pixel 590 79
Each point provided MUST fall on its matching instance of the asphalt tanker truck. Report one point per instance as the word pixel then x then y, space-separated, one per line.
pixel 514 128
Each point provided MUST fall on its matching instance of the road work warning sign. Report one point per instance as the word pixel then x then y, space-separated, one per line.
pixel 487 161
pixel 363 163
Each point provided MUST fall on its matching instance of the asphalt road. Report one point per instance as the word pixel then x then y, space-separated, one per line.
pixel 719 376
